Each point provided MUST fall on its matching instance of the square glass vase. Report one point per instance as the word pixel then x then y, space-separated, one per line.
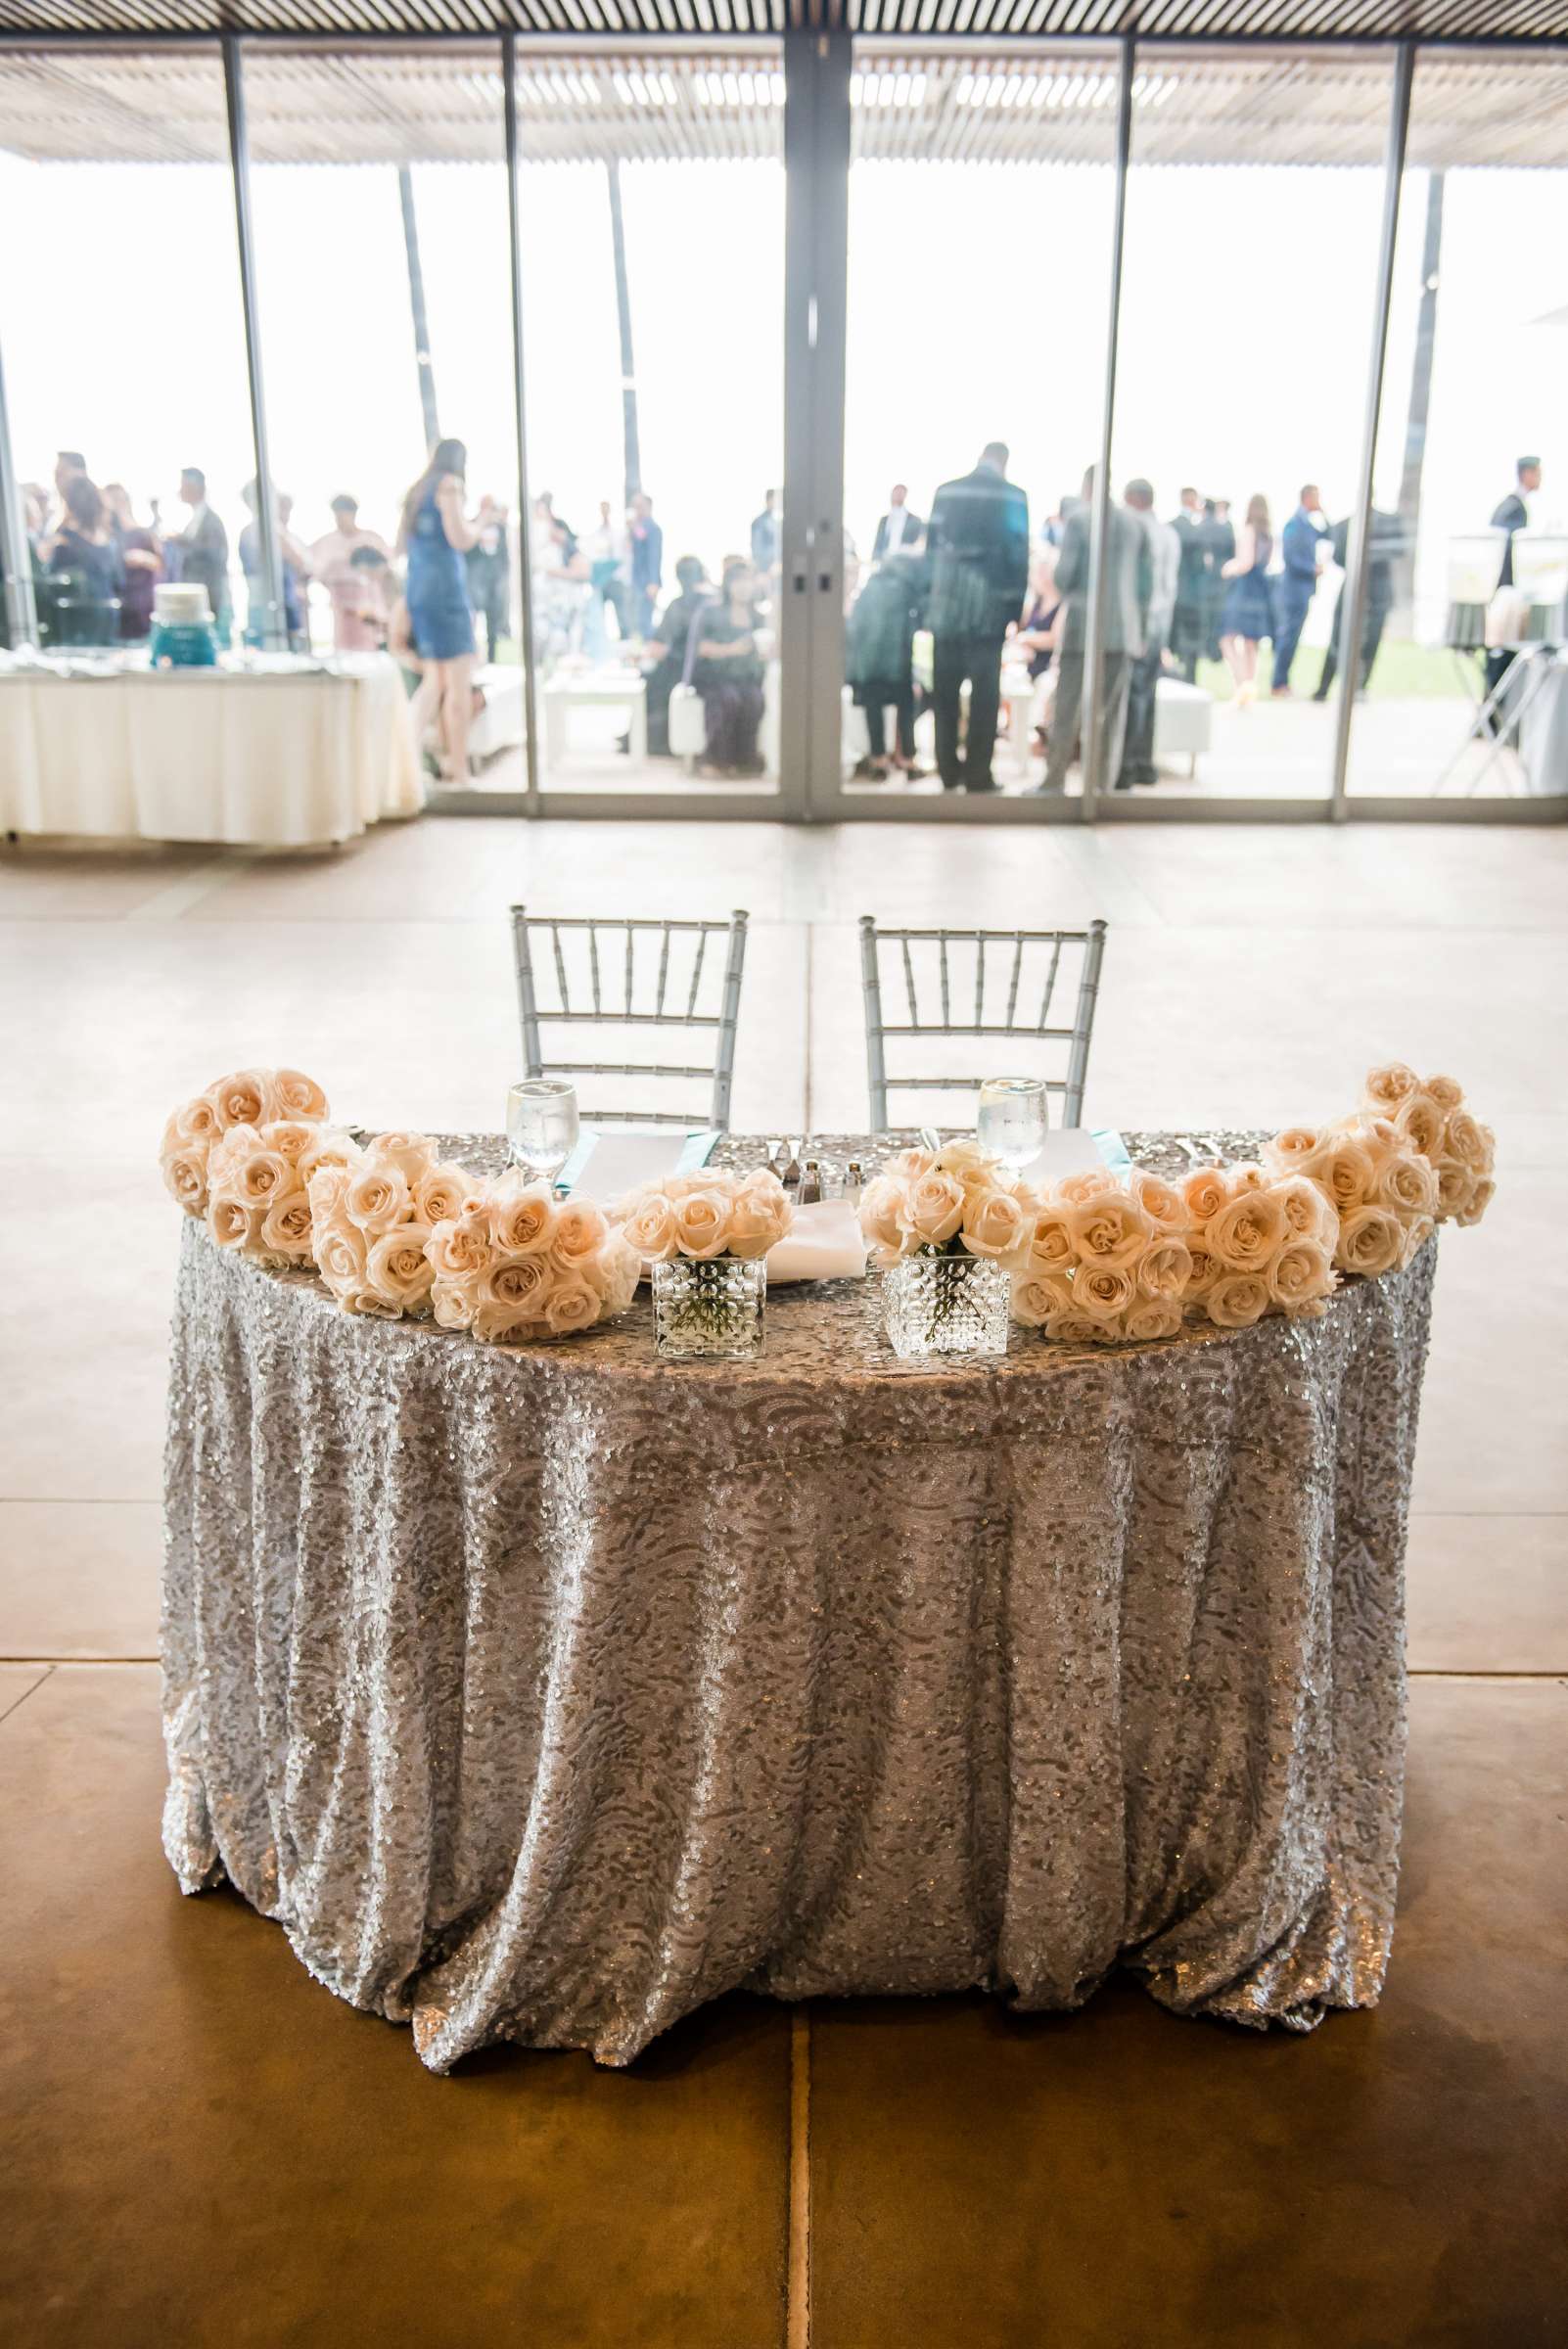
pixel 947 1305
pixel 712 1309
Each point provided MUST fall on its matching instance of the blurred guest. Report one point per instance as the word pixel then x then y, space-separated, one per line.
pixel 1222 549
pixel 434 533
pixel 1036 635
pixel 1191 618
pixel 765 539
pixel 1248 616
pixel 1128 572
pixel 608 546
pixel 670 640
pixel 144 564
pixel 69 466
pixel 358 618
pixel 1385 545
pixel 295 567
pixel 1512 515
pixel 1144 677
pixel 727 672
pixel 489 575
pixel 879 658
pixel 899 527
pixel 86 553
pixel 377 593
pixel 978 550
pixel 562 593
pixel 201 550
pixel 646 563
pixel 1301 545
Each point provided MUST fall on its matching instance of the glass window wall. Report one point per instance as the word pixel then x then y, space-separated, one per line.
pixel 1254 198
pixel 123 340
pixel 1466 695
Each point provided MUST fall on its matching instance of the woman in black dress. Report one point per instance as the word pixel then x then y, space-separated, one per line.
pixel 86 558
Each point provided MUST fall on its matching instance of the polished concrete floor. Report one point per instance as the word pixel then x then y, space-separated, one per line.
pixel 200 2144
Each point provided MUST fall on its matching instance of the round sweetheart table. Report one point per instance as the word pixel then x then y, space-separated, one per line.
pixel 544 1694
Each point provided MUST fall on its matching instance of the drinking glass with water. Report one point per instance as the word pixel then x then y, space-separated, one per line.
pixel 1014 1119
pixel 541 1126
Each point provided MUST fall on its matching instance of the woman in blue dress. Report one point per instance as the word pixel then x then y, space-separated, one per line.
pixel 435 534
pixel 1249 613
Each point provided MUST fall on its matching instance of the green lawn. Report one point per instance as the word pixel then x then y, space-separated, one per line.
pixel 1403 672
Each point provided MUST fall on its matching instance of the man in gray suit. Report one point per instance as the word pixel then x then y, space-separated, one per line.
pixel 1165 560
pixel 1127 586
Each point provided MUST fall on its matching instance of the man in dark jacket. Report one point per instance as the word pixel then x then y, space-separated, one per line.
pixel 978 545
pixel 879 658
pixel 1512 514
pixel 1297 583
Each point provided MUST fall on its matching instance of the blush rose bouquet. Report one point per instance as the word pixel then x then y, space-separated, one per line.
pixel 1109 1261
pixel 945 1202
pixel 706 1216
pixel 511 1264
pixel 372 1213
pixel 251 1099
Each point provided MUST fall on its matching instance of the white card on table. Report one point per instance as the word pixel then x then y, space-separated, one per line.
pixel 1072 1150
pixel 610 1161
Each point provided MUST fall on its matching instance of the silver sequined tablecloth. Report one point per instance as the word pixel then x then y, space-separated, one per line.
pixel 544 1694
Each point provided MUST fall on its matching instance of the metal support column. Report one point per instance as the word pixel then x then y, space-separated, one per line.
pixel 427 409
pixel 816 202
pixel 274 629
pixel 1352 613
pixel 16 554
pixel 524 504
pixel 1091 722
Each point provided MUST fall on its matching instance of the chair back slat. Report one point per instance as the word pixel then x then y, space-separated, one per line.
pixel 1051 986
pixel 1054 945
pixel 721 1021
pixel 696 974
pixel 1018 972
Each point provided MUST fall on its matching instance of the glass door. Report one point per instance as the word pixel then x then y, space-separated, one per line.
pixel 652 212
pixel 979 215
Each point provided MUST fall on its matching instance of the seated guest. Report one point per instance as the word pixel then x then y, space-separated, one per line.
pixel 86 555
pixel 350 584
pixel 144 564
pixel 879 658
pixel 728 675
pixel 669 642
pixel 369 601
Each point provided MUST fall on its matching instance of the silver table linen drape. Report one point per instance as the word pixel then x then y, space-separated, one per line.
pixel 545 1695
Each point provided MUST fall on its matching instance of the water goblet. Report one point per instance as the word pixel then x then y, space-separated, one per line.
pixel 541 1126
pixel 1014 1119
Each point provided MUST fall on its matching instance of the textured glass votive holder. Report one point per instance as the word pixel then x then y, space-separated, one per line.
pixel 708 1308
pixel 947 1305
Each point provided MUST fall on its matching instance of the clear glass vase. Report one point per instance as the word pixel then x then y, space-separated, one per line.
pixel 947 1305
pixel 712 1309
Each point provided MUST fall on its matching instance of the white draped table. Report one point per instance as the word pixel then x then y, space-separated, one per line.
pixel 290 754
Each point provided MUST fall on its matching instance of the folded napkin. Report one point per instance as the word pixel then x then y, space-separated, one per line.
pixel 826 1244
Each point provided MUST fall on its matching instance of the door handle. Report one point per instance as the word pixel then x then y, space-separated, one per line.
pixel 799 583
pixel 824 580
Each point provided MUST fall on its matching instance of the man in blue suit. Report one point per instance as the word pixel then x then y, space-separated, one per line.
pixel 1297 583
pixel 979 548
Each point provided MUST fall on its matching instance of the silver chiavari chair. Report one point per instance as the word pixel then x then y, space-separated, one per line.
pixel 1027 962
pixel 664 962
